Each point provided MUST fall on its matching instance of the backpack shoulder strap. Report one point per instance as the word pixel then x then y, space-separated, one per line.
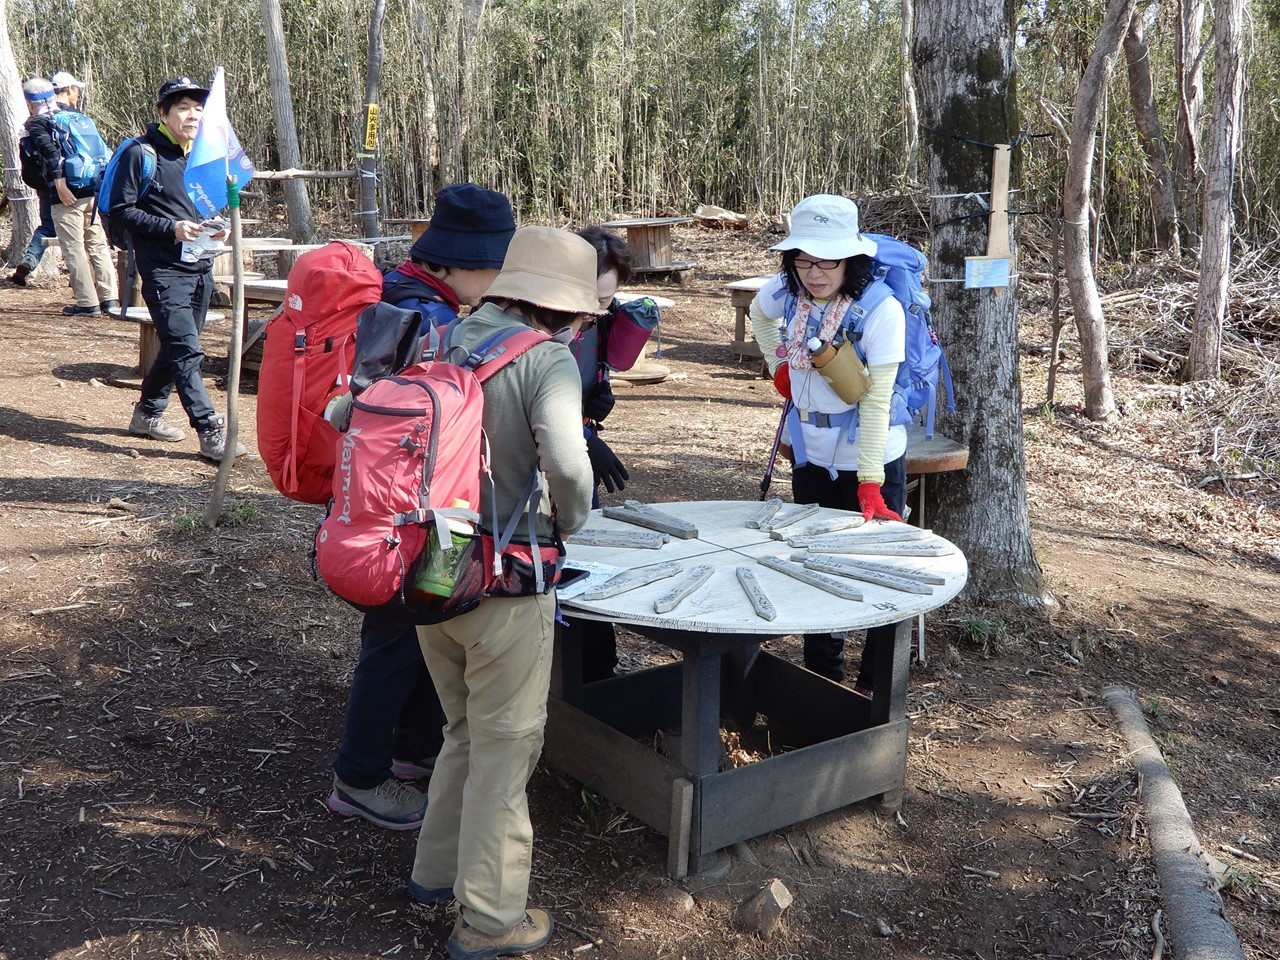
pixel 501 349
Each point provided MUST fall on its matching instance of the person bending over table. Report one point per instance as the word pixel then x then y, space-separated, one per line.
pixel 847 455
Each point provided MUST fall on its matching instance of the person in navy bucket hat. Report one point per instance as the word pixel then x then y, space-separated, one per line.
pixel 458 256
pixel 394 726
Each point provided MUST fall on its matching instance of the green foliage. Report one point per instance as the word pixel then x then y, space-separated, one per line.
pixel 991 634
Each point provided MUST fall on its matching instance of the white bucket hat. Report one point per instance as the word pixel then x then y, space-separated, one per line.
pixel 549 268
pixel 826 226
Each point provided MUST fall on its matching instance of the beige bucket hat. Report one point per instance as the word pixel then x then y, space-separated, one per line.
pixel 550 268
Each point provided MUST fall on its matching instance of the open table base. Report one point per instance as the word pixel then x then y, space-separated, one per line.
pixel 836 747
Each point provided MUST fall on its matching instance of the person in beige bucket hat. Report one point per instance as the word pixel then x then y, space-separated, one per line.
pixel 492 666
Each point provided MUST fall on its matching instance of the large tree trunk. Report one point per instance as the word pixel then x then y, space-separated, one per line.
pixel 367 215
pixel 1099 404
pixel 1189 51
pixel 910 112
pixel 13 113
pixel 964 62
pixel 301 229
pixel 1164 207
pixel 1223 150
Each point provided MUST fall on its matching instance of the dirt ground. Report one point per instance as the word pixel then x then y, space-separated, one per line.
pixel 170 698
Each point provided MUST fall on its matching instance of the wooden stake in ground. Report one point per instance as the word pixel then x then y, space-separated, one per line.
pixel 213 511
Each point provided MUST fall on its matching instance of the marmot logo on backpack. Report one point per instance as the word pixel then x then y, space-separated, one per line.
pixel 348 445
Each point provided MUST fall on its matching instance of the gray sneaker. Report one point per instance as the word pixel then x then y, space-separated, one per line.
pixel 213 439
pixel 391 804
pixel 153 426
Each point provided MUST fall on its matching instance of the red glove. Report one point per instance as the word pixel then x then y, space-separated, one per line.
pixel 782 381
pixel 873 505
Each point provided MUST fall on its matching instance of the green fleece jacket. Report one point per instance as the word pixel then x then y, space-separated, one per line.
pixel 533 419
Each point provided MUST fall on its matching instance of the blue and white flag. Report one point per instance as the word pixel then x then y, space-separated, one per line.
pixel 216 155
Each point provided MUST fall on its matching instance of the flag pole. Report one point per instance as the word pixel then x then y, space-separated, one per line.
pixel 213 512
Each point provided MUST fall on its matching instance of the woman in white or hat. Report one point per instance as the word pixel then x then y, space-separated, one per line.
pixel 847 454
pixel 492 666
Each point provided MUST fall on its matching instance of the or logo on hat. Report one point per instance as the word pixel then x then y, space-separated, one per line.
pixel 821 219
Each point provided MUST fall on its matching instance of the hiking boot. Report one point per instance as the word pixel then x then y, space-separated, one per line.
pixel 20 274
pixel 109 306
pixel 153 426
pixel 429 895
pixel 468 943
pixel 413 769
pixel 391 804
pixel 93 310
pixel 213 439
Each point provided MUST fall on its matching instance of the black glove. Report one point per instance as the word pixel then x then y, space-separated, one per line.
pixel 598 401
pixel 605 465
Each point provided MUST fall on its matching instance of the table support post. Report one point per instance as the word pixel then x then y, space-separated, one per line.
pixel 890 684
pixel 566 666
pixel 700 746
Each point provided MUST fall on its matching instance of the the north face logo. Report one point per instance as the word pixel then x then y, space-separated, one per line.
pixel 295 302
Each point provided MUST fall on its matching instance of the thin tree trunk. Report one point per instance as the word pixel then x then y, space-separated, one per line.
pixel 1099 404
pixel 910 113
pixel 468 40
pixel 23 207
pixel 301 229
pixel 367 215
pixel 1224 148
pixel 1189 50
pixel 426 35
pixel 964 66
pixel 1146 119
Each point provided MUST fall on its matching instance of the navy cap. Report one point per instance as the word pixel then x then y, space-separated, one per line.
pixel 470 228
pixel 181 85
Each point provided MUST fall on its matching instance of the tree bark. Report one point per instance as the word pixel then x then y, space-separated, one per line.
pixel 1205 362
pixel 1099 404
pixel 426 34
pixel 1164 207
pixel 964 69
pixel 1189 52
pixel 13 113
pixel 367 215
pixel 910 111
pixel 301 228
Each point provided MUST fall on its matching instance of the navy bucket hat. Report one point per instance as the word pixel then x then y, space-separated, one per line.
pixel 470 228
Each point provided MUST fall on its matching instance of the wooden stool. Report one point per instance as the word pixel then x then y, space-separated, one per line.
pixel 650 241
pixel 741 293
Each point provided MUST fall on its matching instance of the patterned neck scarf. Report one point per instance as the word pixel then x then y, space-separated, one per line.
pixel 797 337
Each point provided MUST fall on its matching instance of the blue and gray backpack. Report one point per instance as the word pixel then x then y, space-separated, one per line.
pixel 115 234
pixel 84 152
pixel 899 271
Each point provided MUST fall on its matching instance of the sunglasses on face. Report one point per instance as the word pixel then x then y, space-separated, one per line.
pixel 803 263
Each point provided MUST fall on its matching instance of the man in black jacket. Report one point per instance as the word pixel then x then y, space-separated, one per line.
pixel 177 275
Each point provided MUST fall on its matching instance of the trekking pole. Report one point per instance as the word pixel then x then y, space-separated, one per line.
pixel 773 454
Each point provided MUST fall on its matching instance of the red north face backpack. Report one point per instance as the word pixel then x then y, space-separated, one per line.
pixel 307 359
pixel 401 536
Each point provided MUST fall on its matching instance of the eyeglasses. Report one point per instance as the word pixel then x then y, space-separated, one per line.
pixel 805 264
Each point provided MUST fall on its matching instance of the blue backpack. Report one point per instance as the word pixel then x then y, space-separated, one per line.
pixel 116 235
pixel 898 272
pixel 84 152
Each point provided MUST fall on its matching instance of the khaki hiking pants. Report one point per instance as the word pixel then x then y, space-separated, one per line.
pixel 88 256
pixel 492 669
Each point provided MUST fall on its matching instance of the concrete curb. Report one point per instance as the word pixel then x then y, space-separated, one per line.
pixel 1198 929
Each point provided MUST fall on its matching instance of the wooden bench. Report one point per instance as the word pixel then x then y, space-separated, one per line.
pixel 741 293
pixel 148 339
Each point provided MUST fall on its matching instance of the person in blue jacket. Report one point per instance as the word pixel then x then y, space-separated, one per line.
pixel 394 727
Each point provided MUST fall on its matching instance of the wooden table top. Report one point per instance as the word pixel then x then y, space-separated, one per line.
pixel 750 283
pixel 725 543
pixel 641 222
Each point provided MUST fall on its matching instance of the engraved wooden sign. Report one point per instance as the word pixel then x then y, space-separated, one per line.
pixel 821 581
pixel 755 593
pixel 626 539
pixel 643 516
pixel 631 579
pixel 831 565
pixel 765 513
pixel 691 582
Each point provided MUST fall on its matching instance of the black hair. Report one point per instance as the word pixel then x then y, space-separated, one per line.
pixel 612 252
pixel 164 105
pixel 552 320
pixel 858 274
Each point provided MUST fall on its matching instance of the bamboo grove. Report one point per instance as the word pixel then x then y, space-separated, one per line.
pixel 583 108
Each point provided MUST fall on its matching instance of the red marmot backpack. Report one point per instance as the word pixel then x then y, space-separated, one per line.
pixel 406 489
pixel 306 360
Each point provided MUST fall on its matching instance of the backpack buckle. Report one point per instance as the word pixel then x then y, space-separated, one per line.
pixel 299 342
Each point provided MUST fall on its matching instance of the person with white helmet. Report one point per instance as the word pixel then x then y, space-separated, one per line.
pixel 41 101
